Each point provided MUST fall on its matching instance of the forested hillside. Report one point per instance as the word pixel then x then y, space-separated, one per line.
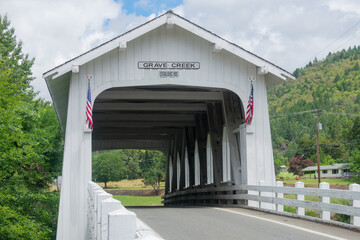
pixel 331 85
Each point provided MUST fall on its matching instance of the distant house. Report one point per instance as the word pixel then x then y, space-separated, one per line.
pixel 283 168
pixel 330 171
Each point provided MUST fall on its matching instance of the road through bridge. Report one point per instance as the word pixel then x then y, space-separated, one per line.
pixel 211 223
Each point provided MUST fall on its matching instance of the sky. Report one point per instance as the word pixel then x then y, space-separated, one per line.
pixel 286 33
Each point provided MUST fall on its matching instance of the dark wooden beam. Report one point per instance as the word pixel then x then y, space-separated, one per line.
pixel 113 116
pixel 131 137
pixel 135 130
pixel 160 95
pixel 201 135
pixel 215 117
pixel 128 144
pixel 149 106
pixel 144 123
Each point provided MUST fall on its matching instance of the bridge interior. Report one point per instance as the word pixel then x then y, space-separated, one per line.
pixel 196 128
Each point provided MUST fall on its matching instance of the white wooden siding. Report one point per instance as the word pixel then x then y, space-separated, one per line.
pixel 120 68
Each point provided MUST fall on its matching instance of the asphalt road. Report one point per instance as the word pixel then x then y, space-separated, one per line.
pixel 233 223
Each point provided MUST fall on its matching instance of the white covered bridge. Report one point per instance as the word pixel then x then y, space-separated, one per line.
pixel 173 86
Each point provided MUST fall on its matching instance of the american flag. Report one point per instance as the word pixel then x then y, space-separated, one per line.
pixel 89 120
pixel 250 107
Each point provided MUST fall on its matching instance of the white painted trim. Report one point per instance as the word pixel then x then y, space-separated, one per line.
pixel 183 23
pixel 75 68
pixel 96 52
pixel 262 70
pixel 232 48
pixel 122 45
pixel 216 48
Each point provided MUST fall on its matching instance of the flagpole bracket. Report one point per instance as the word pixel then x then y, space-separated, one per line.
pixel 87 129
pixel 89 77
pixel 252 79
pixel 249 129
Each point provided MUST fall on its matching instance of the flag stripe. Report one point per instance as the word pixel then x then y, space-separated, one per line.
pixel 250 107
pixel 89 120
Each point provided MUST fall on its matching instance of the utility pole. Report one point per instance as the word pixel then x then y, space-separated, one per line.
pixel 317 111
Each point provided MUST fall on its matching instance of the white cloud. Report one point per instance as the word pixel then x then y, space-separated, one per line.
pixel 347 6
pixel 58 30
pixel 287 33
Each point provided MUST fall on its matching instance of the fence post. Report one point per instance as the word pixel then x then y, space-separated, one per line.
pixel 261 183
pixel 325 214
pixel 121 225
pixel 101 196
pixel 107 206
pixel 299 210
pixel 279 208
pixel 355 220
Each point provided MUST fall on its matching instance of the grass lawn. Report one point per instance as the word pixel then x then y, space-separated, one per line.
pixel 316 213
pixel 317 199
pixel 125 184
pixel 331 181
pixel 289 178
pixel 139 200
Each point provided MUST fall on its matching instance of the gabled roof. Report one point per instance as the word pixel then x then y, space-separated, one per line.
pixel 169 18
pixel 58 78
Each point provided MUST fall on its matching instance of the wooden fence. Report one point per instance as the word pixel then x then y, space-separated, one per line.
pixel 272 198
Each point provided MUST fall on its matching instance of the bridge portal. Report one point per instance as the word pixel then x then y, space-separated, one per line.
pixel 172 86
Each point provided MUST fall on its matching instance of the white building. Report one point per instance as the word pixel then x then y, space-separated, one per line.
pixel 330 171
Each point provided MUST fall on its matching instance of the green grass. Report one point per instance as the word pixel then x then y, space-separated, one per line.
pixel 311 182
pixel 289 178
pixel 316 213
pixel 139 200
pixel 317 199
pixel 111 187
pixel 130 188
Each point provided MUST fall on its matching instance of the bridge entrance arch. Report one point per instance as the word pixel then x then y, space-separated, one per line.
pixel 169 85
pixel 198 130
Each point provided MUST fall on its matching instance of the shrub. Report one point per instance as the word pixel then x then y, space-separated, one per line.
pixel 297 163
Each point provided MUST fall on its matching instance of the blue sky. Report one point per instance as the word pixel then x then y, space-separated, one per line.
pixel 147 7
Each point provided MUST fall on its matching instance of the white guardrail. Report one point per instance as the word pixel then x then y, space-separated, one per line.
pixel 271 198
pixel 108 219
pixel 265 194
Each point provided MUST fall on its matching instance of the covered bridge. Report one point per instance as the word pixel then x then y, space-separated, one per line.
pixel 168 85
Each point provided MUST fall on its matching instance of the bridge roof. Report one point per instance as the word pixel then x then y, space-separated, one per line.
pixel 168 18
pixel 58 78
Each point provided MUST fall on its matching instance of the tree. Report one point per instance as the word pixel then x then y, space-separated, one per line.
pixel 297 163
pixel 353 134
pixel 156 171
pixel 108 166
pixel 13 58
pixel 30 147
pixel 132 159
pixel 355 161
